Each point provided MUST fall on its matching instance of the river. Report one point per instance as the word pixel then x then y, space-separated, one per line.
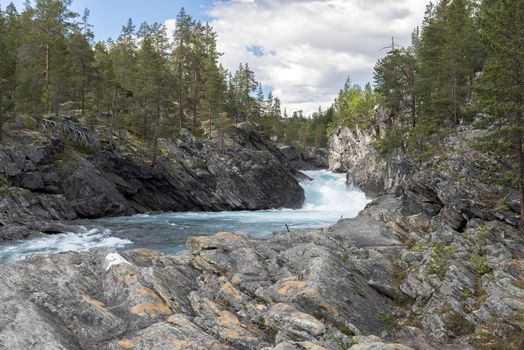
pixel 328 198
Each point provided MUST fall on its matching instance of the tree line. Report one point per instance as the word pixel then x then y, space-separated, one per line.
pixel 145 82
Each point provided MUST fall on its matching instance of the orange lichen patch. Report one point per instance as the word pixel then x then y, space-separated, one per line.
pixel 198 243
pixel 230 324
pixel 126 344
pixel 148 252
pixel 230 291
pixel 312 293
pixel 178 320
pixel 151 309
pixel 288 287
pixel 202 264
pixel 148 292
pixel 328 307
pixel 212 306
pixel 228 236
pixel 94 302
pixel 206 242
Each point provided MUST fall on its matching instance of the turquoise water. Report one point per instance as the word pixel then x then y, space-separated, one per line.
pixel 328 198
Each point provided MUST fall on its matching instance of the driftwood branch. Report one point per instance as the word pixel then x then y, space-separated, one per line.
pixel 71 131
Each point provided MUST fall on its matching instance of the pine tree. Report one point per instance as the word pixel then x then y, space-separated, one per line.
pixel 83 57
pixel 182 62
pixel 9 27
pixel 503 81
pixel 395 80
pixel 52 22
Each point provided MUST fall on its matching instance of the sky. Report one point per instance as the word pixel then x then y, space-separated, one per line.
pixel 302 50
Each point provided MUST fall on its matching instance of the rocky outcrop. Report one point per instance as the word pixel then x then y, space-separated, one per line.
pixel 458 181
pixel 281 292
pixel 47 179
pixel 461 183
pixel 352 151
pixel 306 158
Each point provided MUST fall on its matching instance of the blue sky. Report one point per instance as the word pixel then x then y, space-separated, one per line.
pixel 303 50
pixel 108 16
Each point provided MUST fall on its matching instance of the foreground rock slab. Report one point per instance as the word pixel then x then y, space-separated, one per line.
pixel 357 284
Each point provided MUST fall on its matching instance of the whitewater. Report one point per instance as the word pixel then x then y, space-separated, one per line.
pixel 327 199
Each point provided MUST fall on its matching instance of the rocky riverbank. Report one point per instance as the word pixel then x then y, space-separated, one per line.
pixel 63 172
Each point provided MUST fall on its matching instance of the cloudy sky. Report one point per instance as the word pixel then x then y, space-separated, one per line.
pixel 303 50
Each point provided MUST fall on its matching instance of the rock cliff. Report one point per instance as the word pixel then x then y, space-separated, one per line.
pixel 48 179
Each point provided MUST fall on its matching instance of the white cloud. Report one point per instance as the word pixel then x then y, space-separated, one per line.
pixel 170 25
pixel 311 46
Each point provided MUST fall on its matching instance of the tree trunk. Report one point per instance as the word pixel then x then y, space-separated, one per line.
pixel 210 123
pixel 46 75
pixel 521 167
pixel 195 102
pixel 155 138
pixel 57 100
pixel 1 117
pixel 112 124
pixel 83 88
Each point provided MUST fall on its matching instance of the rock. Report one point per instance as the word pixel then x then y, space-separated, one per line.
pixel 46 182
pixel 306 158
pixel 294 323
pixel 352 151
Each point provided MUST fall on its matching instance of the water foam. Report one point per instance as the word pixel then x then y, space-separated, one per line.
pixel 82 241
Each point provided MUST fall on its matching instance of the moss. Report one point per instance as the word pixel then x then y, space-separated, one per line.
pixel 519 283
pixel 481 233
pixel 388 320
pixel 342 342
pixel 444 310
pixel 272 333
pixel 467 293
pixel 346 330
pixel 79 147
pixel 319 315
pixel 64 157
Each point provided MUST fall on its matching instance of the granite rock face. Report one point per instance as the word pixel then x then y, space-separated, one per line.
pixel 47 179
pixel 306 158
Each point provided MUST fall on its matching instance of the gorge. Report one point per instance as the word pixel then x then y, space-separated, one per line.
pixel 327 199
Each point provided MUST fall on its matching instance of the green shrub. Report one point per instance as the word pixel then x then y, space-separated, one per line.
pixel 439 260
pixel 388 320
pixel 481 264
